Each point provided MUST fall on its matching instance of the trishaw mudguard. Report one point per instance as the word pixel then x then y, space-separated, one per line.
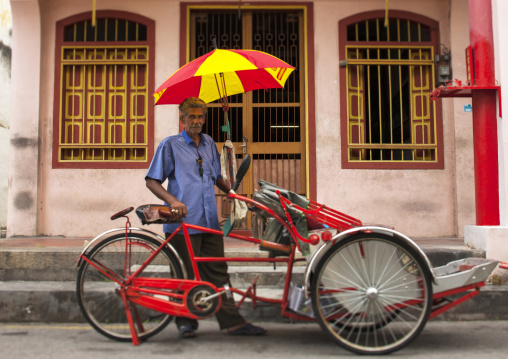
pixel 311 266
pixel 154 235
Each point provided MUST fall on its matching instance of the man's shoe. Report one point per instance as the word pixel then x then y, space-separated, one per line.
pixel 248 329
pixel 187 331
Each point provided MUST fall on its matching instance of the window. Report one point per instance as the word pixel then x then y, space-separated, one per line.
pixel 104 108
pixel 388 120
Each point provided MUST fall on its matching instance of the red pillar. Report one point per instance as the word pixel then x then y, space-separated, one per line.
pixel 484 115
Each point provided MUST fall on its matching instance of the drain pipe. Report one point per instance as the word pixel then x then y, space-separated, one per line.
pixel 484 115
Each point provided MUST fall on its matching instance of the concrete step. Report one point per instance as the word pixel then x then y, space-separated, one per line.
pixel 56 302
pixel 59 264
pixel 33 264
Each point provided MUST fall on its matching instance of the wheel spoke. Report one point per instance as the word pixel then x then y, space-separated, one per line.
pixel 364 260
pixel 400 270
pixel 354 270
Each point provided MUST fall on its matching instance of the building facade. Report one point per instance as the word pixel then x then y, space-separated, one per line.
pixel 354 128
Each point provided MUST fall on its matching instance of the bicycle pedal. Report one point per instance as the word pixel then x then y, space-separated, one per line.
pixel 229 293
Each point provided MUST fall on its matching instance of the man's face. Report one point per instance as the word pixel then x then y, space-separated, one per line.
pixel 193 122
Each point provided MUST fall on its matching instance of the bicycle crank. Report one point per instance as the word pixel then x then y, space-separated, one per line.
pixel 226 290
pixel 202 300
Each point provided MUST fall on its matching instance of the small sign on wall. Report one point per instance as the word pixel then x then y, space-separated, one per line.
pixel 468 108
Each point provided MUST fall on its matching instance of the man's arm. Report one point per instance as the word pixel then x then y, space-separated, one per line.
pixel 158 190
pixel 223 185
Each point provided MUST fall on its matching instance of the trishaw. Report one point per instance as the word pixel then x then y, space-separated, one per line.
pixel 370 288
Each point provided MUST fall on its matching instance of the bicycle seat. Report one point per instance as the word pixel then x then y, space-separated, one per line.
pixel 156 214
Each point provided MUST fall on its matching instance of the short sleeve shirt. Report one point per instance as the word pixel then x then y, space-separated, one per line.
pixel 175 160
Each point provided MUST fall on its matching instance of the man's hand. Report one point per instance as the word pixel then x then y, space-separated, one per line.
pixel 156 188
pixel 179 208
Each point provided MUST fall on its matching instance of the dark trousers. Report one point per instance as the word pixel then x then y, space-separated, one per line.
pixel 208 245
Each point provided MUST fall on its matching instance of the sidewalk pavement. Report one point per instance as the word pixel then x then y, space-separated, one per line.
pixel 37 279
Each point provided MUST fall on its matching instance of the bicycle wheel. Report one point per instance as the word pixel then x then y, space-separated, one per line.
pixel 372 293
pixel 98 298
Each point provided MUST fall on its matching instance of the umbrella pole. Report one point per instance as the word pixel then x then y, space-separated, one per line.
pixel 226 128
pixel 229 150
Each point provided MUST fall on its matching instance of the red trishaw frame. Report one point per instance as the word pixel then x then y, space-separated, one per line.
pixel 131 289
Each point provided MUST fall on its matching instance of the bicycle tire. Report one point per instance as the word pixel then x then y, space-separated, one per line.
pixel 98 299
pixel 372 293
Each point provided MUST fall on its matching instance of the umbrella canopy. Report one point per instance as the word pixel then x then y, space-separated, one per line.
pixel 222 73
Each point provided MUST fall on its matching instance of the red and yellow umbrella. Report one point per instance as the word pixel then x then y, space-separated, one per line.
pixel 221 73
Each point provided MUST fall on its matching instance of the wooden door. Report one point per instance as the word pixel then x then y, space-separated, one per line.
pixel 269 123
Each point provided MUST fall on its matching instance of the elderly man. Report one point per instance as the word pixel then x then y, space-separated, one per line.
pixel 190 163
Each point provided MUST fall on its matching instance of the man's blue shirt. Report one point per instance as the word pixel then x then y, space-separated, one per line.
pixel 176 160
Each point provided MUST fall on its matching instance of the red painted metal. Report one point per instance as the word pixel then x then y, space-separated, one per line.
pixel 475 291
pixel 319 213
pixel 244 259
pixel 486 158
pixel 314 238
pixel 143 292
pixel 469 64
pixel 152 256
pixel 457 89
pixel 285 294
pixel 106 272
pixel 326 236
pixel 484 115
pixel 128 313
pixel 250 293
pixel 454 291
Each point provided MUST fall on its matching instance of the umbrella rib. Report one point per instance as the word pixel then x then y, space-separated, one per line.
pixel 226 106
pixel 262 85
pixel 217 83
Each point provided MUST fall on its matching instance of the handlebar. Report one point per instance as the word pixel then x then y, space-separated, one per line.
pixel 244 167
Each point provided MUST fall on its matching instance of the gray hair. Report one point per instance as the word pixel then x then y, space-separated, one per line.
pixel 192 102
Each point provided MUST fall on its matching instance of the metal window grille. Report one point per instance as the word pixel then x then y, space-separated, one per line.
pixel 106 29
pixel 390 117
pixel 104 94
